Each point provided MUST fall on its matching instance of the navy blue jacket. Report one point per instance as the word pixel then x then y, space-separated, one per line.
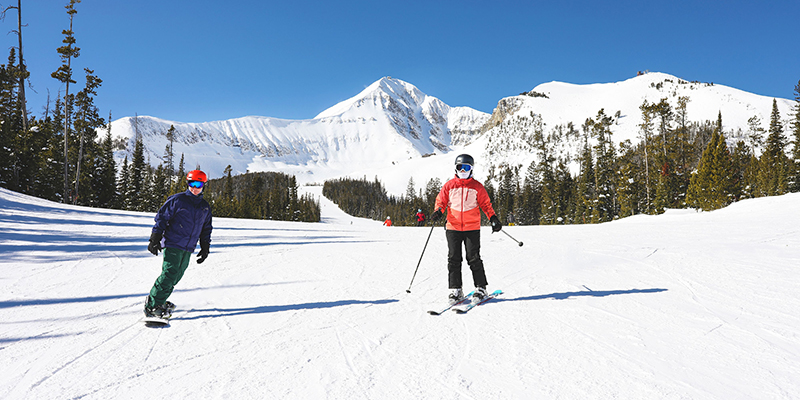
pixel 183 220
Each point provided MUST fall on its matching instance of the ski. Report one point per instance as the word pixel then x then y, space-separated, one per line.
pixel 461 309
pixel 442 311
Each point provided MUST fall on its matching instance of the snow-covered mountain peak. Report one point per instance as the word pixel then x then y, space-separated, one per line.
pixel 378 96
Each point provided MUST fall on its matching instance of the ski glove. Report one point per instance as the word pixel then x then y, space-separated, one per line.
pixel 437 215
pixel 203 254
pixel 496 225
pixel 155 243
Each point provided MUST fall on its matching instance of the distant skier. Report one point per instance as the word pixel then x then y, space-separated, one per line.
pixel 184 219
pixel 463 198
pixel 420 217
pixel 388 221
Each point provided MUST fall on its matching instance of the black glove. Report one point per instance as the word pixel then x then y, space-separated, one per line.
pixel 203 254
pixel 155 243
pixel 496 225
pixel 437 215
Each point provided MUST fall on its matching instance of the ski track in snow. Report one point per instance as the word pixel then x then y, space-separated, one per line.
pixel 683 305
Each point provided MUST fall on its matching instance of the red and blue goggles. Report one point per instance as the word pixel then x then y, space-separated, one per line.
pixel 196 184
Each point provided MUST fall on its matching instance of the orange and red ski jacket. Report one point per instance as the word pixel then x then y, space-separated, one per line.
pixel 463 200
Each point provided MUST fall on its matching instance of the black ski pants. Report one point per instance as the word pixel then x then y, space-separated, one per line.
pixel 472 241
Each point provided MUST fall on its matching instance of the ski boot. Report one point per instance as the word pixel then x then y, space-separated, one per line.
pixel 163 311
pixel 479 294
pixel 456 295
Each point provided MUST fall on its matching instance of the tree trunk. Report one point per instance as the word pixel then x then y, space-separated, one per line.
pixel 23 106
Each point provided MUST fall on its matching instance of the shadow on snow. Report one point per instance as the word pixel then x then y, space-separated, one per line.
pixel 228 312
pixel 583 293
pixel 143 295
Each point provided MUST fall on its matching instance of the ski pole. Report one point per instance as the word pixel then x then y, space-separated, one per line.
pixel 420 259
pixel 518 242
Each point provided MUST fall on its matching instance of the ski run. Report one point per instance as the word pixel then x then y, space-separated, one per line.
pixel 684 305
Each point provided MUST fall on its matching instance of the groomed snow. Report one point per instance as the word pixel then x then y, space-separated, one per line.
pixel 683 305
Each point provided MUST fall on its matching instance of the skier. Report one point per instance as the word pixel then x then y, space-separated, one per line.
pixel 184 219
pixel 420 217
pixel 463 198
pixel 388 221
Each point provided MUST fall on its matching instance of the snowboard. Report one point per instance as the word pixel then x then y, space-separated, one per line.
pixel 159 321
pixel 155 321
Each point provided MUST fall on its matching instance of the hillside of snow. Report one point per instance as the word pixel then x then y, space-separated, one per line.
pixel 393 131
pixel 675 306
pixel 558 104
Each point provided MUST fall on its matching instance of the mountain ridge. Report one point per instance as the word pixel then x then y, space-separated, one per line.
pixel 391 122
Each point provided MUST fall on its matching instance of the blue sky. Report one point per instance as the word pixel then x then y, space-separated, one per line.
pixel 195 61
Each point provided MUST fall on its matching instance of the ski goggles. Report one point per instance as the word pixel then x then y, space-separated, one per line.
pixel 196 184
pixel 463 167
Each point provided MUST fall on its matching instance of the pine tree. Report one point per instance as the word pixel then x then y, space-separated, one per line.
pixel 506 193
pixel 794 176
pixel 137 185
pixel 6 132
pixel 755 133
pixel 584 200
pixel 431 191
pixel 740 159
pixel 700 185
pixel 773 171
pixel 530 198
pixel 123 184
pixel 49 182
pixel 87 120
pixel 104 184
pixel 628 185
pixel 159 190
pixel 605 174
pixel 711 186
pixel 18 150
pixel 646 132
pixel 723 173
pixel 169 152
pixel 64 75
pixel 411 190
pixel 565 194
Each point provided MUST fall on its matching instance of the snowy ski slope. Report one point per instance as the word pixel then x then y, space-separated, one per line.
pixel 682 305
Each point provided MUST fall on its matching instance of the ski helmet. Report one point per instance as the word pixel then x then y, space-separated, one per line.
pixel 465 159
pixel 197 175
pixel 464 164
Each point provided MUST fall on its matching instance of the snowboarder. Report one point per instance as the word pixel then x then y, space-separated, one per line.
pixel 420 217
pixel 388 221
pixel 463 198
pixel 184 219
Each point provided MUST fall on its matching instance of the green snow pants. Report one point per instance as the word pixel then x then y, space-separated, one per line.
pixel 175 263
